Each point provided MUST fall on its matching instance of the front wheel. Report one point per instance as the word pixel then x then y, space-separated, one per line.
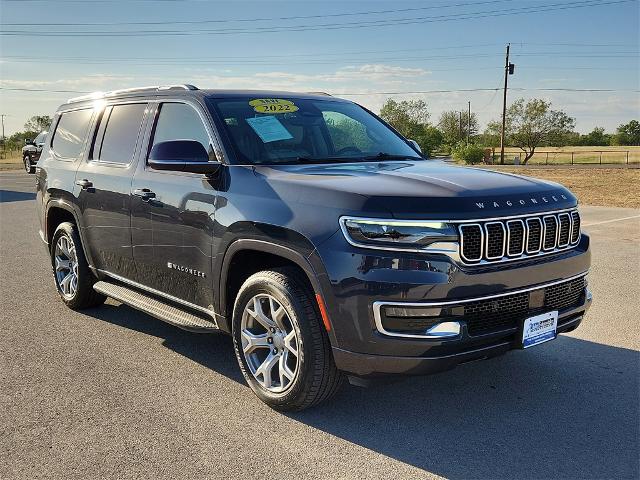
pixel 282 348
pixel 74 280
pixel 28 166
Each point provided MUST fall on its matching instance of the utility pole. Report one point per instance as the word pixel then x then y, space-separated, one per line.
pixel 460 124
pixel 4 141
pixel 508 70
pixel 469 123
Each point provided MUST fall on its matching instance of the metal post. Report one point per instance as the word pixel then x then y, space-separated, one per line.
pixel 504 105
pixel 469 124
pixel 547 160
pixel 627 157
pixel 600 158
pixel 571 158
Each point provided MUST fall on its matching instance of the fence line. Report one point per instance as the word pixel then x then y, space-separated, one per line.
pixel 572 157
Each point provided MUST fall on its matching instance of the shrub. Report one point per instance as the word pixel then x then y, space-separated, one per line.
pixel 469 154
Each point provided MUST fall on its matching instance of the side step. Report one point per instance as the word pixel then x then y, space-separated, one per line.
pixel 161 310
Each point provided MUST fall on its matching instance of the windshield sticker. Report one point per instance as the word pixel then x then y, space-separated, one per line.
pixel 269 129
pixel 273 105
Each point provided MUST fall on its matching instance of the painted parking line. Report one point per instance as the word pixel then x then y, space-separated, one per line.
pixel 610 221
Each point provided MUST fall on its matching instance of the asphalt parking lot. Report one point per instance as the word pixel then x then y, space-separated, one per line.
pixel 111 392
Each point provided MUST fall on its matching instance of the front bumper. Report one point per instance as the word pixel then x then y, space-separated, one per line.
pixel 354 281
pixel 367 365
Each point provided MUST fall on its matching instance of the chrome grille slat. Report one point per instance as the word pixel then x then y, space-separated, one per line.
pixel 550 237
pixel 511 238
pixel 515 238
pixel 534 235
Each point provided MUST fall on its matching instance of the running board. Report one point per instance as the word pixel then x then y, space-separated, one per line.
pixel 161 310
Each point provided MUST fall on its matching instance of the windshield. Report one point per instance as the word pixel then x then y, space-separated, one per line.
pixel 293 130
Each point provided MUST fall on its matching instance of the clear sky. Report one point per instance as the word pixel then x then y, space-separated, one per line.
pixel 375 48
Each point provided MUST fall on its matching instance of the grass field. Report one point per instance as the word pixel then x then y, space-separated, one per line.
pixel 580 155
pixel 11 160
pixel 611 187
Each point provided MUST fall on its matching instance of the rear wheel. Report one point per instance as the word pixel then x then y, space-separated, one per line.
pixel 28 166
pixel 73 278
pixel 281 346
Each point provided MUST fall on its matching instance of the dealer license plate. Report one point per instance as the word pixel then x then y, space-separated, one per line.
pixel 539 329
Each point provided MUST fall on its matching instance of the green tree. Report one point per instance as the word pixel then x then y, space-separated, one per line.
pixel 597 137
pixel 38 123
pixel 455 125
pixel 410 118
pixel 534 123
pixel 627 134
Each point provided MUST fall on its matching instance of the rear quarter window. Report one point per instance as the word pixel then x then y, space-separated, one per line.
pixel 123 123
pixel 71 131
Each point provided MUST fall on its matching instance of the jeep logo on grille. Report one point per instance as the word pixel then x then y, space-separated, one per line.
pixel 544 199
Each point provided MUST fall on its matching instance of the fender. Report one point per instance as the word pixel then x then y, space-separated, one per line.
pixel 275 249
pixel 73 209
pixel 267 247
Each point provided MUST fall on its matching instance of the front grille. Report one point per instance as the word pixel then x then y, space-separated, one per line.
pixel 509 239
pixel 493 315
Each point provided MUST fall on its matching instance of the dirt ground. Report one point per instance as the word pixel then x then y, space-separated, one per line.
pixel 608 187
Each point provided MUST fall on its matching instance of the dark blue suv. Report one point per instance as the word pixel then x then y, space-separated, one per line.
pixel 308 229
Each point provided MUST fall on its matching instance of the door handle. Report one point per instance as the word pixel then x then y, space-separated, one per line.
pixel 144 193
pixel 84 184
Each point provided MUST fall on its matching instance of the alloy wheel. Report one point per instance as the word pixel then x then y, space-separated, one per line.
pixel 270 344
pixel 66 266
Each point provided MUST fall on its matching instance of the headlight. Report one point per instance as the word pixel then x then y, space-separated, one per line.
pixel 396 234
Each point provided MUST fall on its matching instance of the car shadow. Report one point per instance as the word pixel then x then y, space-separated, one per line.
pixel 13 196
pixel 210 350
pixel 565 409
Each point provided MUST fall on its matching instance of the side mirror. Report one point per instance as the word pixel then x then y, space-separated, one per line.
pixel 182 156
pixel 414 144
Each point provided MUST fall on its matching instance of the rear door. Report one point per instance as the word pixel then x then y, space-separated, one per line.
pixel 103 186
pixel 172 213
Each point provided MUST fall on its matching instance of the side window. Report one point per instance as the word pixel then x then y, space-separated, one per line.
pixel 121 126
pixel 70 133
pixel 346 132
pixel 40 138
pixel 178 121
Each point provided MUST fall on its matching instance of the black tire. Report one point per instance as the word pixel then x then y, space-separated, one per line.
pixel 317 377
pixel 28 166
pixel 84 296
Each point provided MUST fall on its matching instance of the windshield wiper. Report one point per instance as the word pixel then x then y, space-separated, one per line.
pixel 389 156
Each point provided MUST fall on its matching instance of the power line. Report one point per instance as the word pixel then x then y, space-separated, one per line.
pixel 458 90
pixel 328 26
pixel 259 19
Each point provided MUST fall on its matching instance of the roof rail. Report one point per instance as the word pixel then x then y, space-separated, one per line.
pixel 113 93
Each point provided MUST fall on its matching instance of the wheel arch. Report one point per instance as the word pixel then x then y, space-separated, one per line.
pixel 255 255
pixel 58 211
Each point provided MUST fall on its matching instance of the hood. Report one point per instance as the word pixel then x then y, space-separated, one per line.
pixel 424 189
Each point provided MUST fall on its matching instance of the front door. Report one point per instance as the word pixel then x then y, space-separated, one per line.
pixel 103 186
pixel 172 215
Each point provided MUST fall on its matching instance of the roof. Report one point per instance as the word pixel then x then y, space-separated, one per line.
pixel 188 90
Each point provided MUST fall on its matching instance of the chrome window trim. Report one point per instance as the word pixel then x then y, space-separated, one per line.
pixel 377 305
pixel 479 259
pixel 544 236
pixel 524 236
pixel 504 239
pixel 559 245
pixel 159 293
pixel 537 219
